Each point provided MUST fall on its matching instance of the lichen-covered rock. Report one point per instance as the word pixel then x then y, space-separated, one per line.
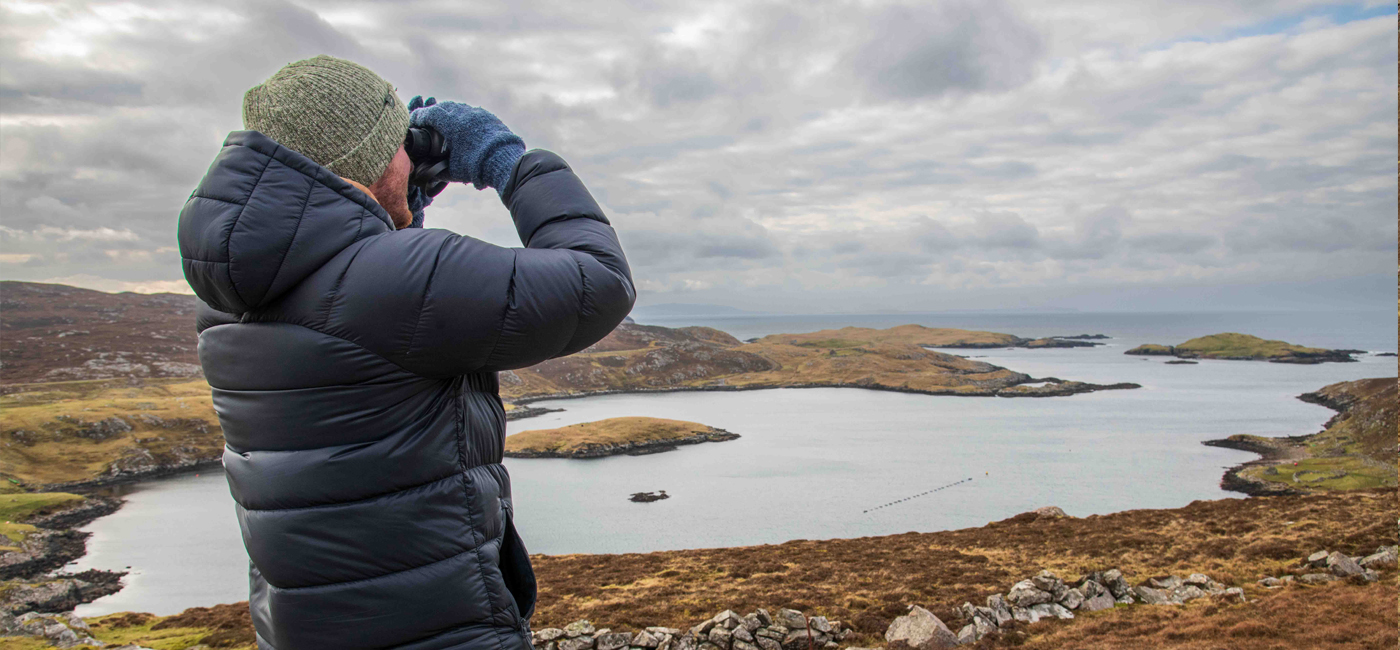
pixel 791 619
pixel 1318 560
pixel 582 642
pixel 1150 596
pixel 1026 594
pixel 1165 583
pixel 1047 581
pixel 1342 566
pixel 1113 580
pixel 919 630
pixel 1316 578
pixel 1232 595
pixel 1103 600
pixel 547 634
pixel 612 641
pixel 1385 557
pixel 578 628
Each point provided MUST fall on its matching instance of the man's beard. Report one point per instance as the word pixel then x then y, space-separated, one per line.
pixel 391 191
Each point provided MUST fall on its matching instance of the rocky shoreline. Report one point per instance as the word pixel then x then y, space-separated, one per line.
pixel 522 412
pixel 1059 388
pixel 1076 341
pixel 33 576
pixel 122 476
pixel 1270 450
pixel 636 448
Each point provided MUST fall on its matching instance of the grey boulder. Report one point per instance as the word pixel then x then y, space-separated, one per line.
pixel 919 630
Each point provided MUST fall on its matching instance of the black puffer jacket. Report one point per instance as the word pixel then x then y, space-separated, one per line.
pixel 354 372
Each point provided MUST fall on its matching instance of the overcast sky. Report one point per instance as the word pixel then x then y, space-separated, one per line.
pixel 805 157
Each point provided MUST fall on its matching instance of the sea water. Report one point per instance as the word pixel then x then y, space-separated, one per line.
pixel 826 462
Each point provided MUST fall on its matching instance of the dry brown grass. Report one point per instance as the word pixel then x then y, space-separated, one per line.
pixel 868 581
pixel 1337 616
pixel 603 432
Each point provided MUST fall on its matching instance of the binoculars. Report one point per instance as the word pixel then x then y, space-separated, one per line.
pixel 427 150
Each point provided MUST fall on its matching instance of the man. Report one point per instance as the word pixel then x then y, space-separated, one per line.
pixel 353 357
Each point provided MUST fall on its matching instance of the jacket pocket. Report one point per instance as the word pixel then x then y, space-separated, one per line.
pixel 516 570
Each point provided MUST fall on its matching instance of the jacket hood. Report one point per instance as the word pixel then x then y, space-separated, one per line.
pixel 263 219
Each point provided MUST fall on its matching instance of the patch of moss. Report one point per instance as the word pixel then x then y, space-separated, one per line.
pixel 1337 473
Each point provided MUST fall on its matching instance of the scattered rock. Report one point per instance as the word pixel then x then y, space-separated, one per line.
pixel 1316 578
pixel 1150 596
pixel 1165 583
pixel 612 641
pixel 1026 594
pixel 1099 602
pixel 1232 595
pixel 1342 566
pixel 648 497
pixel 791 619
pixel 1384 558
pixel 578 628
pixel 920 630
pixel 1318 560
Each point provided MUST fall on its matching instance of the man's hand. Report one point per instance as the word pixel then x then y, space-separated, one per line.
pixel 481 150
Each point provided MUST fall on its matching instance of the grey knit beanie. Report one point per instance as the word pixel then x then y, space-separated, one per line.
pixel 335 112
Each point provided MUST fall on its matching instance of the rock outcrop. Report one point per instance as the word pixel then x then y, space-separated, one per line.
pixel 1045 595
pixel 1323 567
pixel 759 630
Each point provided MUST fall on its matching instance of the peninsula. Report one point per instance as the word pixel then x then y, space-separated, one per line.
pixel 631 436
pixel 1355 450
pixel 1244 347
pixel 644 358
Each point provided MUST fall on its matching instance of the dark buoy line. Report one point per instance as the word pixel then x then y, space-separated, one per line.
pixel 942 487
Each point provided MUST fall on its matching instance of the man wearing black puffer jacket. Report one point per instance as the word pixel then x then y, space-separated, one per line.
pixel 353 358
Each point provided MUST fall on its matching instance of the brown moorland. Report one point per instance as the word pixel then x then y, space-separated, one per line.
pixel 868 581
pixel 54 332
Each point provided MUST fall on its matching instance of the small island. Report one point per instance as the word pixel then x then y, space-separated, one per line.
pixel 1244 347
pixel 631 436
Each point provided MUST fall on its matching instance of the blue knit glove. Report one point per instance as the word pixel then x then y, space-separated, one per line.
pixel 481 150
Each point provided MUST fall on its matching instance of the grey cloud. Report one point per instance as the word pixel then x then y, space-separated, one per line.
pixel 1178 243
pixel 926 50
pixel 758 146
pixel 1004 230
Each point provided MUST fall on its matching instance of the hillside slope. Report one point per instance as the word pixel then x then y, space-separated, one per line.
pixel 54 332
